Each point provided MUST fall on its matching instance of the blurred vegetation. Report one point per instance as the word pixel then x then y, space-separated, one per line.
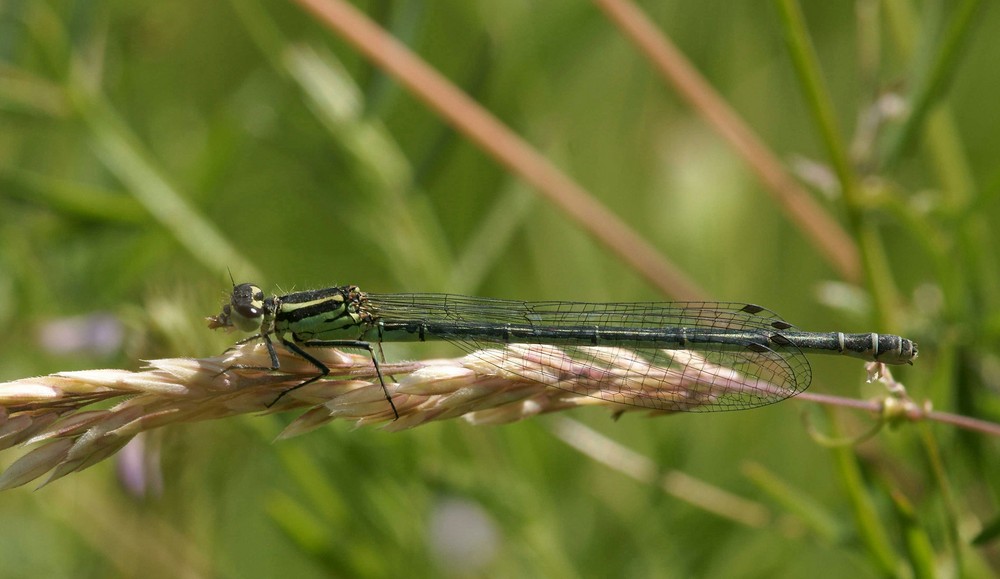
pixel 146 148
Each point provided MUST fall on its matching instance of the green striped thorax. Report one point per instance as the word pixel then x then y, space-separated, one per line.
pixel 324 314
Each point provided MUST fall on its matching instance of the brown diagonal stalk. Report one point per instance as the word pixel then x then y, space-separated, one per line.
pixel 824 232
pixel 504 145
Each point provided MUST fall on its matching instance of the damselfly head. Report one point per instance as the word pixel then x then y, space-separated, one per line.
pixel 244 311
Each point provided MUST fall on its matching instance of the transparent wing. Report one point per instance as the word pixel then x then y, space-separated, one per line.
pixel 704 377
pixel 668 380
pixel 473 310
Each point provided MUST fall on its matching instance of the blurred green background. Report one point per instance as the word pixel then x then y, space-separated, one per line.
pixel 146 148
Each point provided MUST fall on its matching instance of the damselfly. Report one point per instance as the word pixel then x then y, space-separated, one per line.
pixel 679 356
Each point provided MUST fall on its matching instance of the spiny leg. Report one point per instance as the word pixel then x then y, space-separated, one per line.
pixel 381 354
pixel 324 370
pixel 270 352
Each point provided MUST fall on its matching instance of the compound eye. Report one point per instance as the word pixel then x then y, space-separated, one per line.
pixel 248 310
pixel 248 301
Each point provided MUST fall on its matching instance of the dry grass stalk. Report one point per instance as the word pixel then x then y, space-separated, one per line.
pixel 488 387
